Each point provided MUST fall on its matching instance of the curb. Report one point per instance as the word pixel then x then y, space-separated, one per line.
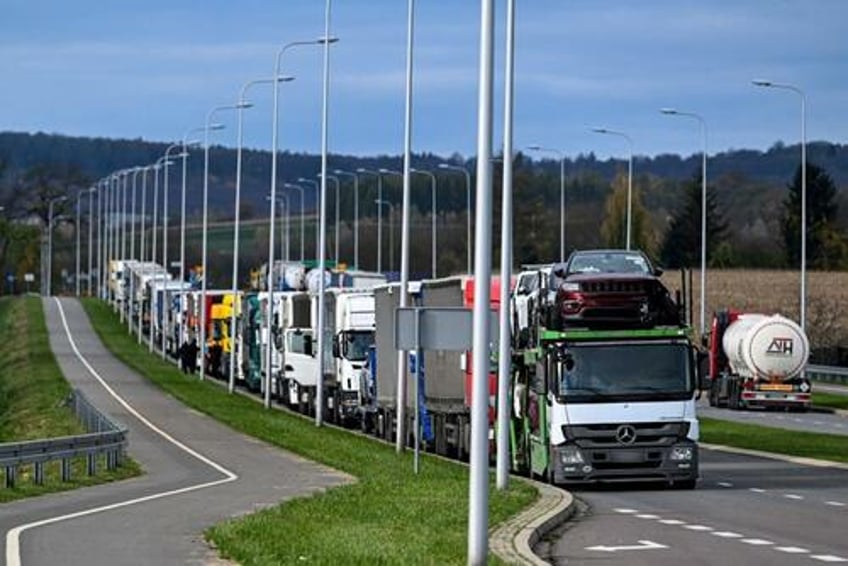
pixel 513 540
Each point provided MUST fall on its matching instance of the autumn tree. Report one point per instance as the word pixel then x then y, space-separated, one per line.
pixel 614 225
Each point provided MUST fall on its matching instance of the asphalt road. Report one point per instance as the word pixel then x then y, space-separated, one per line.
pixel 198 472
pixel 746 510
pixel 835 423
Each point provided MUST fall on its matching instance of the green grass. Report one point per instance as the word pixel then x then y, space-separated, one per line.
pixel 32 396
pixel 793 443
pixel 831 400
pixel 388 516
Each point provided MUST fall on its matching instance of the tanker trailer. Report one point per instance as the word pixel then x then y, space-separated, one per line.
pixel 758 360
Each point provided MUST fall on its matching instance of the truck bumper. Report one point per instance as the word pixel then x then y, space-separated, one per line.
pixel 675 463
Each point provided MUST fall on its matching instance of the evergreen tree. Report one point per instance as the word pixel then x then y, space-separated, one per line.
pixel 681 246
pixel 614 225
pixel 825 247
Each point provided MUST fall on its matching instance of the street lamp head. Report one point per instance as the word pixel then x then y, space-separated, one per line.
pixel 243 105
pixel 285 78
pixel 331 40
pixel 361 170
pixel 668 110
pixel 215 126
pixel 600 130
pixel 761 82
pixel 534 147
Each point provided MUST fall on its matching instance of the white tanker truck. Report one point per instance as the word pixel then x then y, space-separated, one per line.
pixel 758 360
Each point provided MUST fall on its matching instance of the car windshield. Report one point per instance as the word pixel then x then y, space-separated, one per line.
pixel 356 345
pixel 609 263
pixel 619 372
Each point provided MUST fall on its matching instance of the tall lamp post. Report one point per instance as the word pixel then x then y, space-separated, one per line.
pixel 629 177
pixel 131 297
pixel 166 312
pixel 301 190
pixel 384 171
pixel 50 243
pixel 379 203
pixel 800 93
pixel 703 126
pixel 433 209
pixel 464 171
pixel 335 180
pixel 326 40
pixel 561 156
pixel 355 178
pixel 317 188
pixel 203 261
pixel 77 230
pixel 379 178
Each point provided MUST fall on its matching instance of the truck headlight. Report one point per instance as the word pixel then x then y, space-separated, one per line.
pixel 570 455
pixel 681 453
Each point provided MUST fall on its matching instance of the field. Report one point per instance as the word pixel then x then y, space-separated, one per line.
pixel 774 291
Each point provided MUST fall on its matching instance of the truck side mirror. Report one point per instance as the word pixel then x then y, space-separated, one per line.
pixel 307 345
pixel 336 346
pixel 703 368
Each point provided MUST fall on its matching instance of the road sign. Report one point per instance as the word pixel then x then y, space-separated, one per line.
pixel 29 277
pixel 439 328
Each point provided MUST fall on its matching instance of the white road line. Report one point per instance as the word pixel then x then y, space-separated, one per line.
pixel 792 549
pixel 834 503
pixel 828 558
pixel 793 496
pixel 626 511
pixel 647 516
pixel 672 522
pixel 726 534
pixel 13 555
pixel 757 542
pixel 757 490
pixel 725 484
pixel 701 528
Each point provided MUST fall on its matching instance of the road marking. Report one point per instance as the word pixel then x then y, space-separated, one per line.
pixel 672 522
pixel 757 541
pixel 828 558
pixel 625 510
pixel 834 503
pixel 702 528
pixel 725 484
pixel 757 490
pixel 643 545
pixel 792 549
pixel 13 553
pixel 793 496
pixel 726 534
pixel 648 516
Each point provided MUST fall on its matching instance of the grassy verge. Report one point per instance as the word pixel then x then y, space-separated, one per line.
pixel 793 443
pixel 831 400
pixel 387 516
pixel 32 395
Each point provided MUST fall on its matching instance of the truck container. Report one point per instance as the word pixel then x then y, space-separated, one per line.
pixel 758 360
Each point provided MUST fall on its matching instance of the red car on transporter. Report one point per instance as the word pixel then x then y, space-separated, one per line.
pixel 615 288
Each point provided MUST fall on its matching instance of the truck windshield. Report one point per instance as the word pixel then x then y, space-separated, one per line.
pixel 356 345
pixel 599 373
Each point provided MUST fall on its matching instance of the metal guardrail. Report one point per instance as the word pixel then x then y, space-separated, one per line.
pixel 103 437
pixel 831 374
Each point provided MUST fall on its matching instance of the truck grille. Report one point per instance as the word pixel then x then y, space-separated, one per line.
pixel 656 434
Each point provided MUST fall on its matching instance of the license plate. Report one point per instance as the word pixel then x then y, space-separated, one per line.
pixel 775 387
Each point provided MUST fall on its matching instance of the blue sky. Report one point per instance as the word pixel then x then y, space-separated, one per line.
pixel 152 70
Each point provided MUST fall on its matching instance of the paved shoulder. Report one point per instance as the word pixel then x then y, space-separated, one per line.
pixel 198 472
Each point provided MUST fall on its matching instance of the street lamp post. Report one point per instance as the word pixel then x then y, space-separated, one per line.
pixel 433 209
pixel 77 230
pixel 379 219
pixel 317 188
pixel 629 176
pixel 142 243
pixel 166 311
pixel 355 178
pixel 50 243
pixel 384 171
pixel 703 126
pixel 800 93
pixel 131 297
pixel 91 191
pixel 326 40
pixel 561 156
pixel 203 261
pixel 464 171
pixel 336 182
pixel 379 203
pixel 299 189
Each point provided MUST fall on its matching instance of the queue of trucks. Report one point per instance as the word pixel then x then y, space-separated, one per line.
pixel 605 370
